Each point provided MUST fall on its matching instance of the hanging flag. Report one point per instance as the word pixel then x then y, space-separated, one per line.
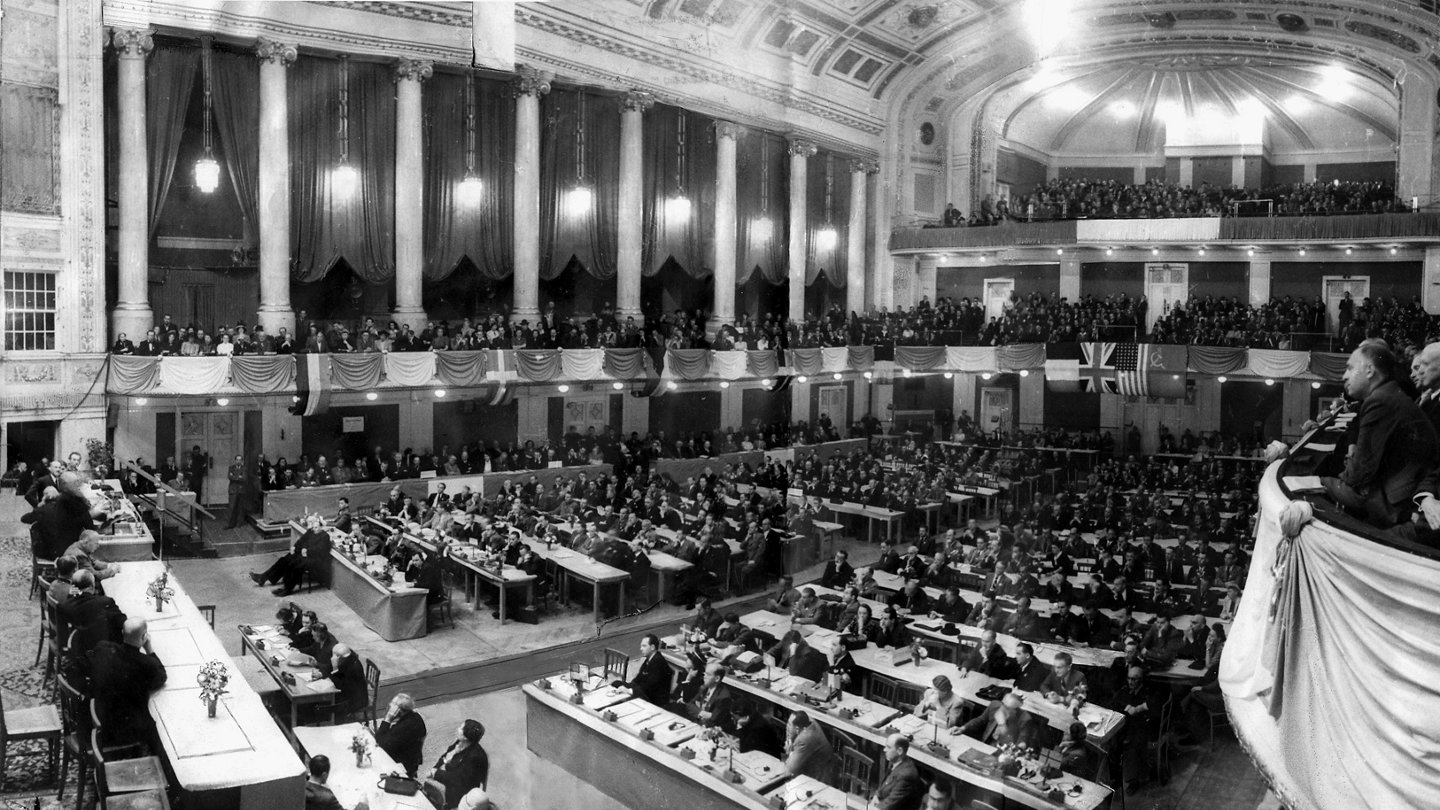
pixel 1062 367
pixel 1131 369
pixel 1097 371
pixel 312 384
pixel 1167 370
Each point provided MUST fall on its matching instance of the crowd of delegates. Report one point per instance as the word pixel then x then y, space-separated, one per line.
pixel 1085 198
pixel 1291 323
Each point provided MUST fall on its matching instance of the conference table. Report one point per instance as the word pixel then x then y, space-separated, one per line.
pixel 572 565
pixel 239 758
pixel 353 783
pixel 272 649
pixel 468 557
pixel 663 566
pixel 393 610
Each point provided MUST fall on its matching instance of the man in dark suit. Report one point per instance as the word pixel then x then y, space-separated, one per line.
pixel 62 520
pixel 796 656
pixel 122 345
pixel 652 682
pixel 310 551
pixel 402 733
pixel 988 658
pixel 463 767
pixel 1395 445
pixel 1003 722
pixel 321 648
pixel 96 618
pixel 1064 681
pixel 317 795
pixel 236 491
pixel 122 677
pixel 838 572
pixel 1029 672
pixel 902 788
pixel 348 675
pixel 198 466
pixel 711 705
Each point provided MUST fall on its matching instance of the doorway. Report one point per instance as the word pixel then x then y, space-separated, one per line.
pixel 997 413
pixel 219 434
pixel 29 442
pixel 834 402
pixel 1166 285
pixel 1334 289
pixel 997 295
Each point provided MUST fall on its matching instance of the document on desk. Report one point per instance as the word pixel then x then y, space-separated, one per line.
pixel 1303 483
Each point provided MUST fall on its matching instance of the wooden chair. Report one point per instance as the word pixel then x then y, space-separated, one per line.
pixel 75 726
pixel 616 666
pixel 907 696
pixel 37 723
pixel 881 690
pixel 444 610
pixel 47 627
pixel 1164 742
pixel 208 611
pixel 1213 715
pixel 839 740
pixel 372 683
pixel 39 566
pixel 857 773
pixel 126 784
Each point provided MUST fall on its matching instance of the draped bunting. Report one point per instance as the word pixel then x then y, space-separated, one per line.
pixel 728 365
pixel 688 238
pixel 859 358
pixel 263 373
pixel 566 232
pixel 1187 229
pixel 806 361
pixel 460 369
pixel 763 364
pixel 1006 234
pixel 837 358
pixel 356 371
pixel 1356 226
pixel 1020 355
pixel 327 227
pixel 235 86
pixel 1328 366
pixel 458 227
pixel 410 368
pixel 970 358
pixel 761 202
pixel 919 358
pixel 1278 363
pixel 625 364
pixel 583 364
pixel 132 375
pixel 1329 670
pixel 1216 359
pixel 687 364
pixel 194 375
pixel 538 365
pixel 169 80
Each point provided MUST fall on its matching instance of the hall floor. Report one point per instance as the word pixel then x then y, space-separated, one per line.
pixel 473 670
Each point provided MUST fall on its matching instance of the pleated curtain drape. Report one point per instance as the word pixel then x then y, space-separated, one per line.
pixel 327 227
pixel 675 169
pixel 458 226
pixel 579 147
pixel 169 82
pixel 235 93
pixel 762 166
pixel 830 256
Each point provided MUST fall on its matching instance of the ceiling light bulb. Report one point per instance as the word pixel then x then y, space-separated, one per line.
pixel 142 401
pixel 1154 251
pixel 618 386
pixel 440 393
pixel 840 376
pixel 724 384
pixel 802 378
pixel 949 375
pixel 762 229
pixel 986 375
pixel 1269 381
pixel 344 180
pixel 1302 251
pixel 577 201
pixel 563 388
pixel 1024 372
pixel 1393 251
pixel 826 238
pixel 207 174
pixel 672 385
pixel 677 208
pixel 1349 251
pixel 1315 385
pixel 371 395
pixel 222 401
pixel 1221 379
pixel 868 375
pixel 1109 251
pixel 471 188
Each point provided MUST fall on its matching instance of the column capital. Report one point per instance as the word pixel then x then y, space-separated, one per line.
pixel 134 43
pixel 637 101
pixel 865 166
pixel 417 70
pixel 728 129
pixel 274 51
pixel 802 148
pixel 530 81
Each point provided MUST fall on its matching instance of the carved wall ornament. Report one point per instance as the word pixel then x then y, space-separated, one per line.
pixel 530 82
pixel 728 129
pixel 135 43
pixel 272 50
pixel 802 147
pixel 637 101
pixel 17 373
pixel 417 70
pixel 865 165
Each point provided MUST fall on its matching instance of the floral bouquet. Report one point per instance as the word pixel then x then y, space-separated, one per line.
pixel 360 747
pixel 213 678
pixel 160 590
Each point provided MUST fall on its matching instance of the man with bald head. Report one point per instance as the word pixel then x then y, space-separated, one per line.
pixel 1395 445
pixel 349 678
pixel 902 788
pixel 122 677
pixel 59 521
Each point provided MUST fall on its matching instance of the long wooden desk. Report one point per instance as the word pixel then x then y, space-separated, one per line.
pixel 663 567
pixel 466 557
pixel 574 565
pixel 272 649
pixel 350 783
pixel 240 757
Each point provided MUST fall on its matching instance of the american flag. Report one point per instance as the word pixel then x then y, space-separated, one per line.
pixel 1131 370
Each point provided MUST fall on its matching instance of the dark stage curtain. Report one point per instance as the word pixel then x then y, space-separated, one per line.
pixel 832 259
pixel 679 158
pixel 235 91
pixel 762 169
pixel 326 227
pixel 458 227
pixel 169 81
pixel 579 126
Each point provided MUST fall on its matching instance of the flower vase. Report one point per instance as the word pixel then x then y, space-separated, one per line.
pixel 359 759
pixel 211 701
pixel 159 605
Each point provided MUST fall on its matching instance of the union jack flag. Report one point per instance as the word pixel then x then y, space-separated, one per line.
pixel 1097 370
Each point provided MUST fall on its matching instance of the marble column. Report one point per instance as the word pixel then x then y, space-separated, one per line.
pixel 528 87
pixel 1430 280
pixel 275 311
pixel 726 136
pixel 800 153
pixel 860 171
pixel 132 314
pixel 409 193
pixel 1415 169
pixel 631 217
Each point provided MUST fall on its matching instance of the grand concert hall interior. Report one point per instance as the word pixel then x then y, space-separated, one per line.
pixel 719 403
